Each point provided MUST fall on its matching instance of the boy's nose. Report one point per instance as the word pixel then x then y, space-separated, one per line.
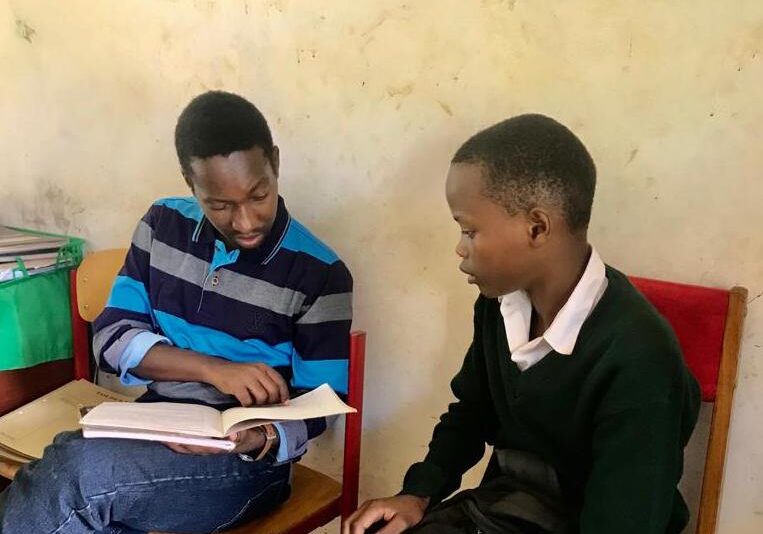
pixel 460 250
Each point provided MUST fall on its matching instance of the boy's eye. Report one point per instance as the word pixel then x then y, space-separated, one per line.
pixel 468 233
pixel 218 207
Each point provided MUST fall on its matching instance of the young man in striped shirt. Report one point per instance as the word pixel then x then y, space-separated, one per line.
pixel 224 299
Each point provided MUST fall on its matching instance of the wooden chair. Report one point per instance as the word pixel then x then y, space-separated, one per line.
pixel 708 323
pixel 316 498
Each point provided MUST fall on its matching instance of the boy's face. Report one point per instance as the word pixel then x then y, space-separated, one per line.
pixel 238 194
pixel 495 247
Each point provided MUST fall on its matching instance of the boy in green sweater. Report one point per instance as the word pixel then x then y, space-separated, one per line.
pixel 572 376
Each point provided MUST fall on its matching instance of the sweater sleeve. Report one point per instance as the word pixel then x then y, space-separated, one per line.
pixel 458 440
pixel 639 434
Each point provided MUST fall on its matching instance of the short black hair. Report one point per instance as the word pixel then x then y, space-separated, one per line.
pixel 217 123
pixel 529 159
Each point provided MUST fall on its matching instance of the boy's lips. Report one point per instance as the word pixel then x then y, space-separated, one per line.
pixel 470 278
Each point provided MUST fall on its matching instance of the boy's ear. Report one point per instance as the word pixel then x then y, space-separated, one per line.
pixel 539 226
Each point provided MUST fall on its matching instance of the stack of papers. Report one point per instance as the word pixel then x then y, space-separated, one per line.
pixel 23 251
pixel 26 431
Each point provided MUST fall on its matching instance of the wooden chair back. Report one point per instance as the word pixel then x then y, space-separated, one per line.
pixel 708 323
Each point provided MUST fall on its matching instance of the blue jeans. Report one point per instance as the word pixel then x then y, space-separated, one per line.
pixel 116 486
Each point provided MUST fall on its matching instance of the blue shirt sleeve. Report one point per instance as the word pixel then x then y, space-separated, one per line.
pixel 292 436
pixel 134 353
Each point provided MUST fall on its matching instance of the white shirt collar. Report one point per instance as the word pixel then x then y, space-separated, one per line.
pixel 562 335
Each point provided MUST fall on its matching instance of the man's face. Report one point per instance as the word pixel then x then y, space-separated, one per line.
pixel 238 194
pixel 495 247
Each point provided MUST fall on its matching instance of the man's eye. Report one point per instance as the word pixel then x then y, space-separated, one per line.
pixel 468 233
pixel 218 207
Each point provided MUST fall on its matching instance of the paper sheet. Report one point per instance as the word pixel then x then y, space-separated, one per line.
pixel 29 429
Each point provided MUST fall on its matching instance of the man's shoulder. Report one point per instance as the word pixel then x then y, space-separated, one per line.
pixel 173 207
pixel 302 241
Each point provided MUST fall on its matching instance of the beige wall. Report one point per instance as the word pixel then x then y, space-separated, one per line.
pixel 368 100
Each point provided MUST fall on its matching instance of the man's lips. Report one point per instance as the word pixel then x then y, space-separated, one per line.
pixel 250 240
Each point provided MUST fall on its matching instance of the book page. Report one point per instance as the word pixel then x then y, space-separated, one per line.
pixel 320 402
pixel 174 417
pixel 164 437
pixel 29 429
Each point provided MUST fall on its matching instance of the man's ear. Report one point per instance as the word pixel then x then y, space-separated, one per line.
pixel 538 226
pixel 275 160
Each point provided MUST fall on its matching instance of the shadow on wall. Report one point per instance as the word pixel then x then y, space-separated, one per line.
pixel 51 209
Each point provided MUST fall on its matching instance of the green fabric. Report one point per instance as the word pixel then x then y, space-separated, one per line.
pixel 35 321
pixel 35 318
pixel 612 418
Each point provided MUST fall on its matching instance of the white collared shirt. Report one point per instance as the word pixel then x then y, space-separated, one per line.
pixel 562 335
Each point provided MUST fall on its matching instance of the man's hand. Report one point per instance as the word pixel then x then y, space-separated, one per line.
pixel 400 513
pixel 246 441
pixel 250 383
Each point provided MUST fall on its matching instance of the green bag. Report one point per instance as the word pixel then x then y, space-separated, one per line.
pixel 35 319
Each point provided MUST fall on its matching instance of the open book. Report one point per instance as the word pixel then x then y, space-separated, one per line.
pixel 201 425
pixel 26 431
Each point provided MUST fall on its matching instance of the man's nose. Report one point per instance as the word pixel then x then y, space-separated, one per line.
pixel 244 220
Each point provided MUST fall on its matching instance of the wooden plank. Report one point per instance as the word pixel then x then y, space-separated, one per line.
pixel 712 481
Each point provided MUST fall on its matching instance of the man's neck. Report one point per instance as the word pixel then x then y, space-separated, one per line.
pixel 554 287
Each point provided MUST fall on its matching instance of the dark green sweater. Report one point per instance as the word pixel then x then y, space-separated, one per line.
pixel 612 418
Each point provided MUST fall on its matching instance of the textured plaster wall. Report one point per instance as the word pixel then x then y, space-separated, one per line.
pixel 368 100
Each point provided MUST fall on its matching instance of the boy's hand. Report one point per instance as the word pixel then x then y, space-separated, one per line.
pixel 245 440
pixel 399 513
pixel 250 383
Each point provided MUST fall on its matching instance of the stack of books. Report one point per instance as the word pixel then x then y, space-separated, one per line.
pixel 27 253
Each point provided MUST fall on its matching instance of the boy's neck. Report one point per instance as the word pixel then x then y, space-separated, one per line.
pixel 554 287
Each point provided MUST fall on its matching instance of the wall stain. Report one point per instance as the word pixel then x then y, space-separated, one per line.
pixel 400 91
pixel 54 205
pixel 634 152
pixel 445 107
pixel 372 28
pixel 305 53
pixel 510 4
pixel 24 30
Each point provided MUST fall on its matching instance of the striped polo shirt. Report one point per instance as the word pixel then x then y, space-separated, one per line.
pixel 287 303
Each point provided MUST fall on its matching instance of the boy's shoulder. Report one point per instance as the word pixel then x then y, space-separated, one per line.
pixel 637 354
pixel 632 320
